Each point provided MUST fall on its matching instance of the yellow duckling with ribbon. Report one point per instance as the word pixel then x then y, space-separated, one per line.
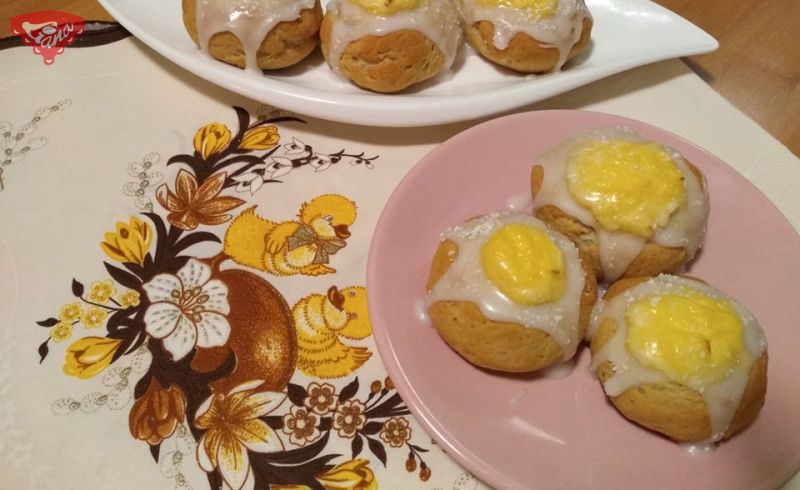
pixel 293 247
pixel 321 322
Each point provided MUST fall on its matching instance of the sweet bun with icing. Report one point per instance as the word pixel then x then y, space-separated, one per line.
pixel 389 45
pixel 271 35
pixel 679 357
pixel 632 206
pixel 528 36
pixel 508 294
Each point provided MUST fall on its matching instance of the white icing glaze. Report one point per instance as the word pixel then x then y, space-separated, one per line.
pixel 438 20
pixel 559 371
pixel 519 202
pixel 686 227
pixel 248 20
pixel 617 251
pixel 421 312
pixel 699 450
pixel 465 281
pixel 722 398
pixel 561 31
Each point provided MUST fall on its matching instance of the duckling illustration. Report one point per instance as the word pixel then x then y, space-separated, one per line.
pixel 321 321
pixel 292 247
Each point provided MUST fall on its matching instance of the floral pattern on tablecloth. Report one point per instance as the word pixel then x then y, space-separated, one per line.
pixel 16 143
pixel 213 365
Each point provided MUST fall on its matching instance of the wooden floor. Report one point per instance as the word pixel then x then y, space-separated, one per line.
pixel 757 67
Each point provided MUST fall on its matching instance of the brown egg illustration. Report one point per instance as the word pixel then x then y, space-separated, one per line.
pixel 262 335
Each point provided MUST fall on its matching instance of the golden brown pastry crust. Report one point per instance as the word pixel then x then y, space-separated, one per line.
pixel 285 45
pixel 654 259
pixel 524 53
pixel 388 63
pixel 501 346
pixel 671 408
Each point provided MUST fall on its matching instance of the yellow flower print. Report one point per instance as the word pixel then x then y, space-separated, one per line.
pixel 62 332
pixel 211 138
pixel 260 138
pixel 94 317
pixel 89 356
pixel 101 291
pixel 70 312
pixel 355 474
pixel 233 429
pixel 129 299
pixel 130 242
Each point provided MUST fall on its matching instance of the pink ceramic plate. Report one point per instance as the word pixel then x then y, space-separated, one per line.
pixel 519 432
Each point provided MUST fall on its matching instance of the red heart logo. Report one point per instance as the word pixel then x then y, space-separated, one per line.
pixel 47 31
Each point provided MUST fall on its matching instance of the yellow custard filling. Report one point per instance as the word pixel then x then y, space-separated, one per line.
pixel 628 186
pixel 537 9
pixel 386 7
pixel 525 264
pixel 686 334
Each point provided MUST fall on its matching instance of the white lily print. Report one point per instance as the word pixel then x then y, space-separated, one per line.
pixel 278 167
pixel 321 162
pixel 233 427
pixel 188 309
pixel 296 147
pixel 252 180
pixel 296 154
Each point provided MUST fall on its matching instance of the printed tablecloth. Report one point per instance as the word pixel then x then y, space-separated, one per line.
pixel 182 274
